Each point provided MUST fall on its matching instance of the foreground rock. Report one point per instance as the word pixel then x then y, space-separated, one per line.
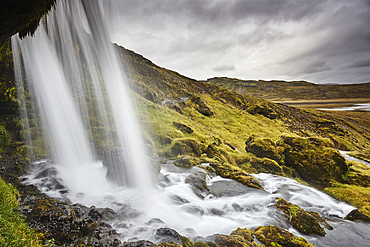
pixel 303 221
pixel 274 236
pixel 362 214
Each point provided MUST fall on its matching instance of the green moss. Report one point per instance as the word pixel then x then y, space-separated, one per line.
pixel 304 222
pixel 200 244
pixel 274 236
pixel 267 165
pixel 357 196
pixel 4 138
pixel 13 230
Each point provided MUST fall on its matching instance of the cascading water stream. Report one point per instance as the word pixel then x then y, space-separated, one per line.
pixel 62 63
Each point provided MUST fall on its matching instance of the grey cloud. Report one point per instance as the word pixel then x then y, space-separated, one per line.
pixel 318 66
pixel 360 64
pixel 224 67
pixel 338 32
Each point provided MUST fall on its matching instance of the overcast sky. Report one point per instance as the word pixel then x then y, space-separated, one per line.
pixel 322 41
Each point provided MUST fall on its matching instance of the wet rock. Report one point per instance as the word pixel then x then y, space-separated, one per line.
pixel 185 162
pixel 168 235
pixel 140 243
pixel 238 238
pixel 303 221
pixel 197 180
pixel 274 236
pixel 362 214
pixel 237 174
pixel 183 128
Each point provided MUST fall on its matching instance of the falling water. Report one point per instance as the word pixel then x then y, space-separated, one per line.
pixel 72 73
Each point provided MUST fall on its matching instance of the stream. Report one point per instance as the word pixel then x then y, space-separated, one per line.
pixel 179 201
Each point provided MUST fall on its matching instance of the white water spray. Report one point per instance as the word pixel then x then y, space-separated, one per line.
pixel 73 74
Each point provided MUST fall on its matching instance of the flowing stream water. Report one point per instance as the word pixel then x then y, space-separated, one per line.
pixel 72 74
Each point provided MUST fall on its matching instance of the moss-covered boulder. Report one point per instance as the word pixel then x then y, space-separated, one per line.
pixel 274 236
pixel 235 173
pixel 187 146
pixel 267 165
pixel 238 238
pixel 305 222
pixel 265 148
pixel 358 174
pixel 362 214
pixel 314 159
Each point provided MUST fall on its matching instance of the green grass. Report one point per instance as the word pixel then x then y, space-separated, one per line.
pixel 357 196
pixel 13 230
pixel 229 125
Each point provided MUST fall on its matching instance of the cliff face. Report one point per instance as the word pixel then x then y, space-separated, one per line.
pixel 21 16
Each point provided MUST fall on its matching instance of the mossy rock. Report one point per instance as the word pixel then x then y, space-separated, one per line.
pixel 313 159
pixel 235 173
pixel 232 241
pixel 274 236
pixel 201 106
pixel 200 244
pixel 213 151
pixel 265 148
pixel 245 234
pixel 185 162
pixel 187 146
pixel 358 174
pixel 361 214
pixel 305 222
pixel 267 165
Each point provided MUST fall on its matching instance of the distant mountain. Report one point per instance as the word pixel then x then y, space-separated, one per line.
pixel 292 90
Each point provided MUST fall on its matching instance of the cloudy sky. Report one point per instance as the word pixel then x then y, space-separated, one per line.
pixel 322 41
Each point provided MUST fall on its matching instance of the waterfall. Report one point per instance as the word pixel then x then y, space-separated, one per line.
pixel 75 82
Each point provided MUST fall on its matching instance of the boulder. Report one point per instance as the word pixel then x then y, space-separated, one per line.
pixel 274 236
pixel 314 159
pixel 265 148
pixel 362 214
pixel 235 173
pixel 303 221
pixel 187 146
pixel 185 162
